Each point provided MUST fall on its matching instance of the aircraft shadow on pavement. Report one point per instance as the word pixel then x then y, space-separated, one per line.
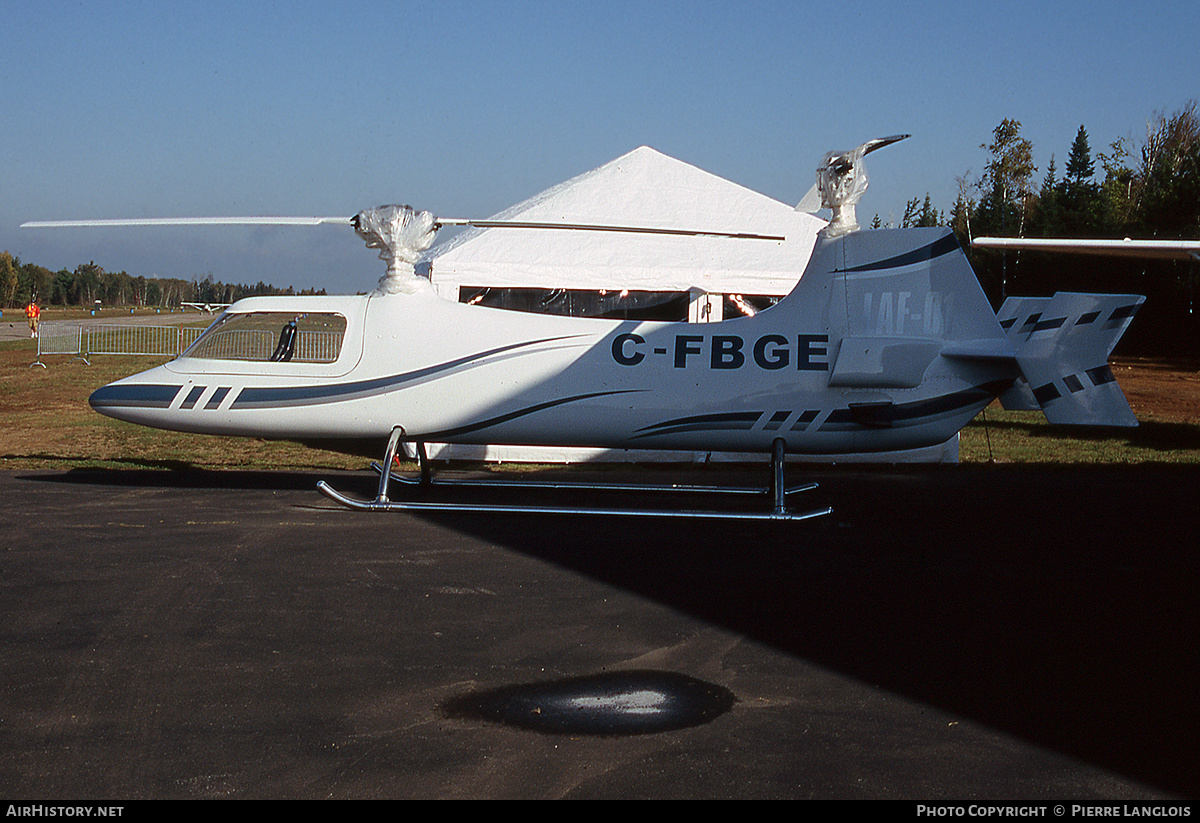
pixel 1057 606
pixel 182 475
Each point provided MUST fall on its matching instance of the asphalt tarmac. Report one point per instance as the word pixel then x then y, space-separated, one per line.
pixel 951 632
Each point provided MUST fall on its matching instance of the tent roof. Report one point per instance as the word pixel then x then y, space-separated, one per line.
pixel 642 188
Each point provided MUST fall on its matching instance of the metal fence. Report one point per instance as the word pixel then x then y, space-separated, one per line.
pixel 259 344
pixel 84 341
pixel 170 341
pixel 152 340
pixel 59 338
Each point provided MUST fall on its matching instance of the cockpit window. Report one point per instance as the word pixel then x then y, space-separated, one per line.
pixel 312 337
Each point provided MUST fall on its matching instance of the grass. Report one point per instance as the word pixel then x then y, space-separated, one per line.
pixel 998 436
pixel 47 423
pixel 56 314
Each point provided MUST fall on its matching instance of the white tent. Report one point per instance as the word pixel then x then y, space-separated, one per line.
pixel 643 188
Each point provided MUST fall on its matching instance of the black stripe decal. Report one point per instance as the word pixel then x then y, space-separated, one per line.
pixel 938 248
pixel 1049 392
pixel 265 397
pixel 193 397
pixel 1046 394
pixel 1046 325
pixel 723 421
pixel 776 420
pixel 806 419
pixel 504 418
pixel 909 414
pixel 142 396
pixel 1101 375
pixel 217 397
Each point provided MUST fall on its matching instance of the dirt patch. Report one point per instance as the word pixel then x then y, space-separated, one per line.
pixel 1160 390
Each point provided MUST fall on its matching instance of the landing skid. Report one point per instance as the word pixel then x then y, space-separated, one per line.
pixel 777 493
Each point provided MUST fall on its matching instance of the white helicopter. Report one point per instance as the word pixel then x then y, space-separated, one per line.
pixel 886 342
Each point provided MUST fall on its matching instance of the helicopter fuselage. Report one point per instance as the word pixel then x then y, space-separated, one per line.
pixel 885 343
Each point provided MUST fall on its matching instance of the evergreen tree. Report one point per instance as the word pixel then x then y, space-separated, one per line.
pixel 1080 167
pixel 1049 218
pixel 928 216
pixel 1081 200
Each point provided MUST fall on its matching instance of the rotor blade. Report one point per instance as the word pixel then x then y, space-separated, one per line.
pixel 314 221
pixel 517 224
pixel 811 202
pixel 1162 249
pixel 880 142
pixel 187 221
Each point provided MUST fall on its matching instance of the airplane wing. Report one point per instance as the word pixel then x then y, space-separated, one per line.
pixel 1155 249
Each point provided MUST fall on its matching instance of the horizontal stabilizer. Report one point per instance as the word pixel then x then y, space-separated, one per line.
pixel 1063 344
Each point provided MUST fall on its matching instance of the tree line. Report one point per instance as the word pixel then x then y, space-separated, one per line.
pixel 1147 189
pixel 22 283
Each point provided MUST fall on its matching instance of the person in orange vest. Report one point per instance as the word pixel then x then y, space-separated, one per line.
pixel 33 313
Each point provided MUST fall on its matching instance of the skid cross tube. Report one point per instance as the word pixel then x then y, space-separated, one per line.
pixel 383 502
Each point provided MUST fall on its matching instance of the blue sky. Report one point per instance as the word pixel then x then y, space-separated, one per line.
pixel 129 109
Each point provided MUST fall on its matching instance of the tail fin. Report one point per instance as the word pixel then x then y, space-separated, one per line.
pixel 1017 317
pixel 1063 344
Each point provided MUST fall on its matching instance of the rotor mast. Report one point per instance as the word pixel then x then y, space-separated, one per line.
pixel 401 233
pixel 841 181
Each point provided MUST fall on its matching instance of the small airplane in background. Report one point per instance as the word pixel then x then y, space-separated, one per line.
pixel 886 342
pixel 206 308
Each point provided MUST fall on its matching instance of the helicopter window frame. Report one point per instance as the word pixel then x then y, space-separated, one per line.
pixel 260 337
